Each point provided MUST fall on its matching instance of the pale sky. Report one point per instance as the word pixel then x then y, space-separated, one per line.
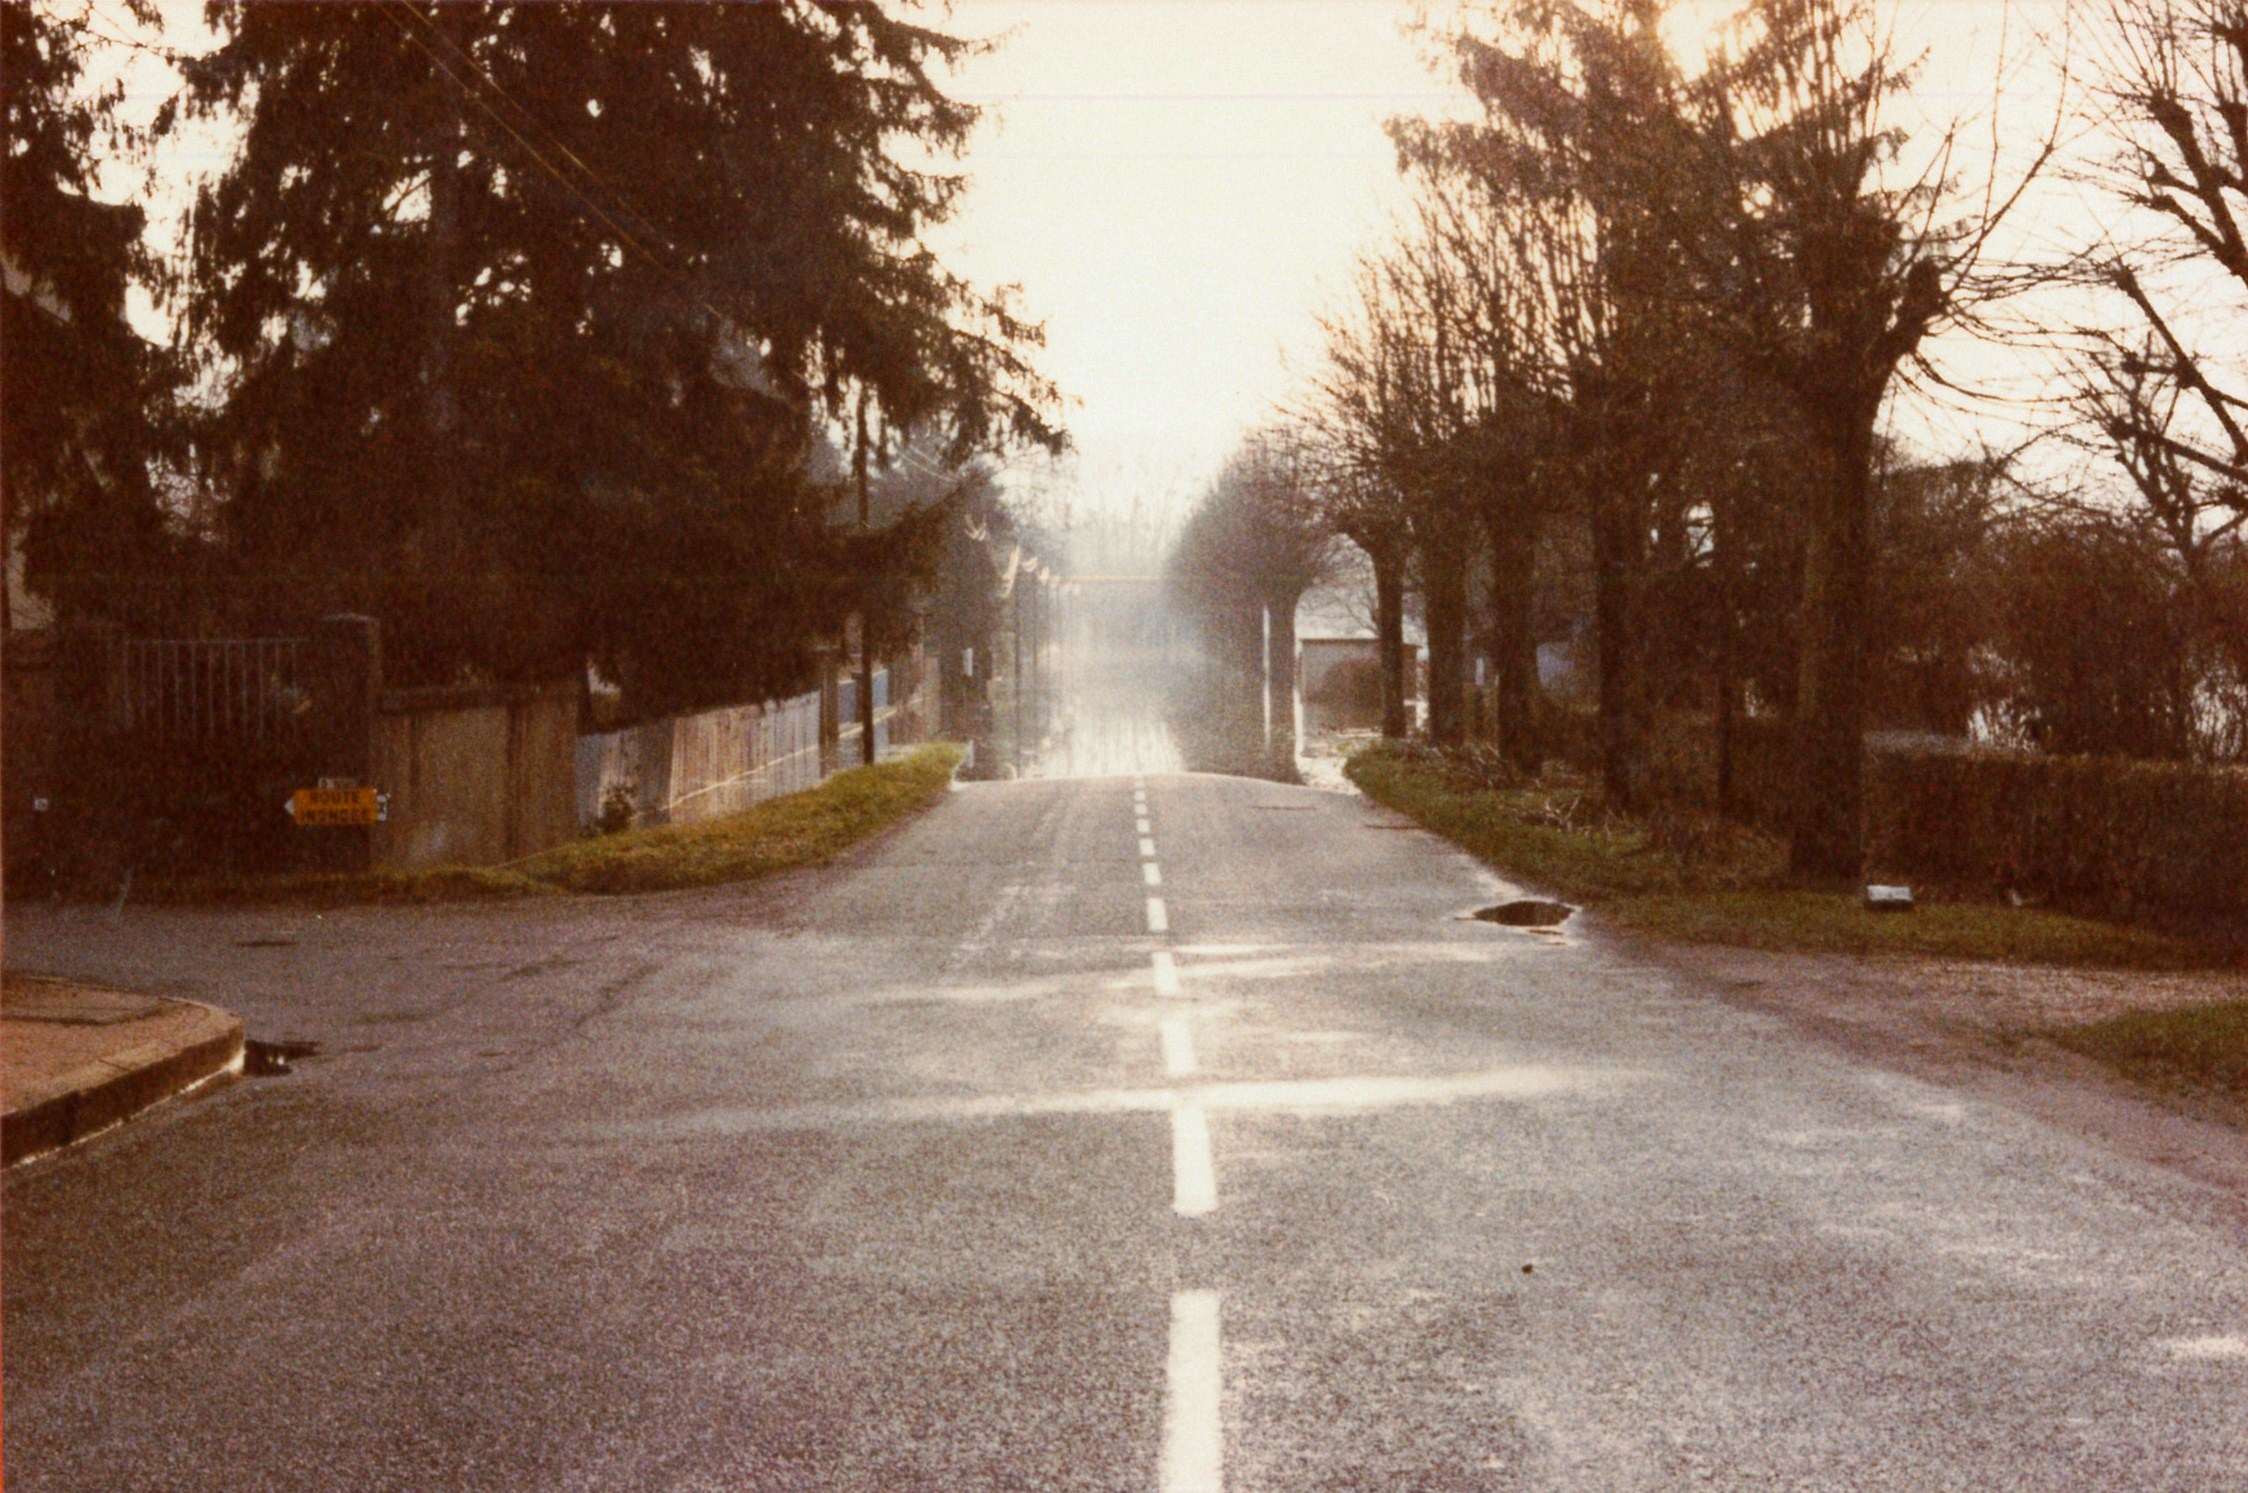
pixel 1179 186
pixel 1176 184
pixel 1171 182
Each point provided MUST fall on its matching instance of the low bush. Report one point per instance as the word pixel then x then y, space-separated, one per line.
pixel 780 834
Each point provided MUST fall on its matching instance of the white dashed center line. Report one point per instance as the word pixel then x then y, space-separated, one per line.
pixel 1178 1048
pixel 1166 975
pixel 1193 1435
pixel 1193 1441
pixel 1194 1187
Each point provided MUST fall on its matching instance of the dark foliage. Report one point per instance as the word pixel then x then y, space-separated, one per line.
pixel 534 311
pixel 81 396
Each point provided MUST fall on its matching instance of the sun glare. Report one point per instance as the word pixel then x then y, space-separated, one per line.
pixel 1696 28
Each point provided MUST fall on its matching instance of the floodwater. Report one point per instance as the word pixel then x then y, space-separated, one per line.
pixel 1116 690
pixel 1108 720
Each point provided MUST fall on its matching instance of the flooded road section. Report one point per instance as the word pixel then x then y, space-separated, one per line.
pixel 1109 719
pixel 1120 689
pixel 1097 700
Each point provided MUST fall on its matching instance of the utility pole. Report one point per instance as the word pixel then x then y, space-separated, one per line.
pixel 1022 579
pixel 444 542
pixel 1264 691
pixel 866 650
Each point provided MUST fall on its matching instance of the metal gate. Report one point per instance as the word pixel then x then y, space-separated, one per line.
pixel 237 695
pixel 211 735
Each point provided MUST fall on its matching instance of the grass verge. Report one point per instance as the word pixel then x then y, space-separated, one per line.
pixel 2200 1048
pixel 780 834
pixel 1697 879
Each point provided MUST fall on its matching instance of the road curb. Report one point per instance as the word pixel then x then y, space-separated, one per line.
pixel 95 1096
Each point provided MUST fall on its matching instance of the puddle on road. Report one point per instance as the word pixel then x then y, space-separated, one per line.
pixel 1526 912
pixel 274 1059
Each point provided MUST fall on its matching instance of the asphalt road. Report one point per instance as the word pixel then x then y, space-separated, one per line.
pixel 963 1165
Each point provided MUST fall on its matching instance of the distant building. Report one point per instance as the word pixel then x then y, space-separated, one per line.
pixel 1341 680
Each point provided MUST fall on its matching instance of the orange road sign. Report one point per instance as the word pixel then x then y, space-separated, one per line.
pixel 320 808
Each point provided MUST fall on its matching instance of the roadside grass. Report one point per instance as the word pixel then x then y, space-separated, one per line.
pixel 2199 1048
pixel 1698 879
pixel 780 834
pixel 1794 920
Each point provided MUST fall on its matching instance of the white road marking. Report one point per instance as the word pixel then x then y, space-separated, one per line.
pixel 1178 1048
pixel 1194 1182
pixel 1333 1096
pixel 1193 1439
pixel 1141 826
pixel 1158 921
pixel 2202 1349
pixel 1148 870
pixel 1166 974
pixel 1147 848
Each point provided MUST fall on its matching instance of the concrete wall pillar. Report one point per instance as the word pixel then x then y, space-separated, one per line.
pixel 831 708
pixel 344 673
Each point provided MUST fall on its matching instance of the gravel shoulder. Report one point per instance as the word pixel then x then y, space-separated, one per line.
pixel 1978 1027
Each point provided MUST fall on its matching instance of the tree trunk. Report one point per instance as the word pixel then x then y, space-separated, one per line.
pixel 1389 636
pixel 1280 677
pixel 1444 573
pixel 1830 697
pixel 1728 714
pixel 865 693
pixel 1619 555
pixel 1514 639
pixel 440 286
pixel 1728 683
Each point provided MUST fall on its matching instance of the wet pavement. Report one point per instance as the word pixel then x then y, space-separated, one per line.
pixel 1169 1133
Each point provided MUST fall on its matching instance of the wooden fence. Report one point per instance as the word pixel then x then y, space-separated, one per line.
pixel 179 756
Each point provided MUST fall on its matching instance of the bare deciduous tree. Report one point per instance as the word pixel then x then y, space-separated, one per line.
pixel 2167 398
pixel 1259 539
pixel 1829 276
pixel 1571 160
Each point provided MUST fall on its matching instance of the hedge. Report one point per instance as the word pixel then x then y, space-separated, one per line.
pixel 2126 837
